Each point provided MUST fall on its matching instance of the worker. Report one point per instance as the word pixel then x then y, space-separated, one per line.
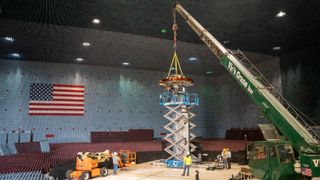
pixel 224 155
pixel 124 158
pixel 229 158
pixel 187 161
pixel 115 160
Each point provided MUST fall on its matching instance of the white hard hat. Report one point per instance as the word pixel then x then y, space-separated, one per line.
pixel 188 153
pixel 115 153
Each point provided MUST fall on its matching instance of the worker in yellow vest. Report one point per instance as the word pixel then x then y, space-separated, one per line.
pixel 187 161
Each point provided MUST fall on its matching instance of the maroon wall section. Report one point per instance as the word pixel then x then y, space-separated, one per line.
pixel 29 147
pixel 252 134
pixel 218 144
pixel 122 136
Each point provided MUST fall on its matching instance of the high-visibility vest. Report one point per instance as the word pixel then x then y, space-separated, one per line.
pixel 187 160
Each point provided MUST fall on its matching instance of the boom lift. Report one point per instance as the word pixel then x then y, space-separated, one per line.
pixel 274 158
pixel 89 165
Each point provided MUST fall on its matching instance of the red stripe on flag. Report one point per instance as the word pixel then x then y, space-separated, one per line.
pixel 48 104
pixel 75 100
pixel 57 109
pixel 66 85
pixel 66 95
pixel 62 90
pixel 53 114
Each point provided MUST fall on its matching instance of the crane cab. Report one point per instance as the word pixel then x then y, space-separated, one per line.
pixel 273 160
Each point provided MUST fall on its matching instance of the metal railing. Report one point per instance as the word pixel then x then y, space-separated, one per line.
pixel 171 99
pixel 302 118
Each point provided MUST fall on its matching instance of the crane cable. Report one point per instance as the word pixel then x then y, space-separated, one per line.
pixel 175 60
pixel 174 29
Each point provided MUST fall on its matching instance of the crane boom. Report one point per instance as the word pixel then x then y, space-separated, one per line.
pixel 287 124
pixel 275 107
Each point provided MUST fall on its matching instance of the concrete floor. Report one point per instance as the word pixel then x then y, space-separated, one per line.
pixel 147 171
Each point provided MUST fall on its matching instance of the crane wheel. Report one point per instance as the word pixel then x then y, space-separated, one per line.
pixel 85 175
pixel 68 174
pixel 104 172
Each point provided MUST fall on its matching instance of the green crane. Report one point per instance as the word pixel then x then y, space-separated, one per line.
pixel 273 159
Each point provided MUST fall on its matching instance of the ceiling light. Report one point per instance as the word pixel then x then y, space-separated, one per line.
pixel 126 63
pixel 209 72
pixel 163 31
pixel 96 21
pixel 276 48
pixel 172 69
pixel 226 42
pixel 86 44
pixel 193 59
pixel 281 14
pixel 79 59
pixel 15 55
pixel 9 39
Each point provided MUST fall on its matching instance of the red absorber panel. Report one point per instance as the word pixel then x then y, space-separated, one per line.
pixel 141 134
pixel 29 147
pixel 97 137
pixel 118 136
pixel 49 135
pixel 219 144
pixel 250 134
pixel 122 136
pixel 71 149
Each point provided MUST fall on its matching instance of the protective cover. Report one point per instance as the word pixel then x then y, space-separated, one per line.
pixel 269 131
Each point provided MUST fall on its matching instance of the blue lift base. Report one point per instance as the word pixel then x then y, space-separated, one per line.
pixel 174 164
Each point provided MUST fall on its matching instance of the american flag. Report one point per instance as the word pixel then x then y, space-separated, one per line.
pixel 306 172
pixel 56 100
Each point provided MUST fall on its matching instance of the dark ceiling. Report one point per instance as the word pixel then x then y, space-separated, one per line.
pixel 250 25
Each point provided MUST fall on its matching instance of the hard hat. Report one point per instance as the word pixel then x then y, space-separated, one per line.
pixel 188 153
pixel 115 153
